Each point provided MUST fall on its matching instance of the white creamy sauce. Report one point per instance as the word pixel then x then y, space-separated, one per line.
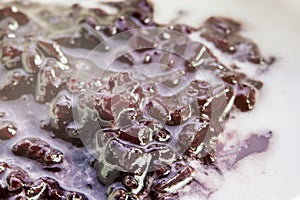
pixel 275 27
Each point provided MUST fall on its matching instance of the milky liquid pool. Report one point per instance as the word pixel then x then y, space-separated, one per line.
pixel 275 27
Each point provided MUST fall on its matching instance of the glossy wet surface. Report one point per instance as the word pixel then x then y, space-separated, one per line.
pixel 152 127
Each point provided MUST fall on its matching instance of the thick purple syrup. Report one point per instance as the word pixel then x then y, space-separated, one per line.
pixel 143 124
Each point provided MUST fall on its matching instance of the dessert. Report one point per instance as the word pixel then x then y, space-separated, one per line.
pixel 115 102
